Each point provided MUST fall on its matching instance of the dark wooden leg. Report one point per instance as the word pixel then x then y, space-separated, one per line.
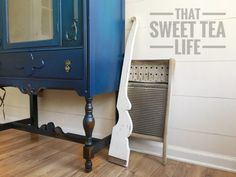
pixel 88 128
pixel 34 110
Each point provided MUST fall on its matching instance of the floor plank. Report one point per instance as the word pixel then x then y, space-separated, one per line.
pixel 27 155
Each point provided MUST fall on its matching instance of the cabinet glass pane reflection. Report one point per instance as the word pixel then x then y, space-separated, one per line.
pixel 30 20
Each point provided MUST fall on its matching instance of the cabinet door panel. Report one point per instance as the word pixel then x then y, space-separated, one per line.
pixel 72 23
pixel 30 20
pixel 31 23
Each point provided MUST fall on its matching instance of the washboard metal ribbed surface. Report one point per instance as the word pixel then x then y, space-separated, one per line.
pixel 149 101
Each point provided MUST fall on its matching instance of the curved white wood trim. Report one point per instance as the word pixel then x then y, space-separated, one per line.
pixel 119 147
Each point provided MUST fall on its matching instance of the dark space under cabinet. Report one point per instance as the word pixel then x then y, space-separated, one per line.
pixel 62 44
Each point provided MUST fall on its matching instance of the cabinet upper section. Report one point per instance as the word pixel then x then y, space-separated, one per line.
pixel 69 44
pixel 28 24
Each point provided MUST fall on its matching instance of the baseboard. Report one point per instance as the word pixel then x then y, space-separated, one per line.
pixel 216 161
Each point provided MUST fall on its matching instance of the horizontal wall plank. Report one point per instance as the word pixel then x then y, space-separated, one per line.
pixel 208 115
pixel 74 123
pixel 15 98
pixel 13 113
pixel 64 102
pixel 203 142
pixel 206 79
pixel 70 102
pixel 195 141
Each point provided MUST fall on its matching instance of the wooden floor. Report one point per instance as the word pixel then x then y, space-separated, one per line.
pixel 26 155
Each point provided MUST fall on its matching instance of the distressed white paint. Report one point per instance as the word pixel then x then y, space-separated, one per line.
pixel 124 127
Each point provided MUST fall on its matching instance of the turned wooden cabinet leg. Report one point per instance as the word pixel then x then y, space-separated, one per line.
pixel 88 128
pixel 34 110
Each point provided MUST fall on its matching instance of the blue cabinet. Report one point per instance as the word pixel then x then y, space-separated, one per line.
pixel 62 44
pixel 82 49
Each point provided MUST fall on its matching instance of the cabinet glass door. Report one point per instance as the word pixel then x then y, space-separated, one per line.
pixel 31 22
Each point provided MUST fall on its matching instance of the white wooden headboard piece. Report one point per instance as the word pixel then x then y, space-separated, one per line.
pixel 119 151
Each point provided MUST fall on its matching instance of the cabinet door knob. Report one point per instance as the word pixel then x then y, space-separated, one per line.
pixel 68 64
pixel 40 65
pixel 73 33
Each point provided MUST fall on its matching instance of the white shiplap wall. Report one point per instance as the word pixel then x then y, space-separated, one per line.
pixel 64 108
pixel 202 127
